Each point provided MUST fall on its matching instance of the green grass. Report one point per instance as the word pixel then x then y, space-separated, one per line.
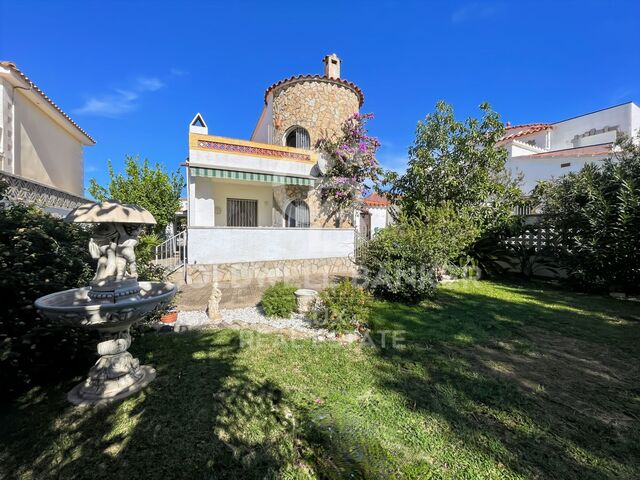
pixel 490 381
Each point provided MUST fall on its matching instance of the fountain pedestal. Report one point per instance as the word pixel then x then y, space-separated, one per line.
pixel 115 375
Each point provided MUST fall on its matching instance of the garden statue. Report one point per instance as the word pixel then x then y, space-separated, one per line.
pixel 112 302
pixel 213 307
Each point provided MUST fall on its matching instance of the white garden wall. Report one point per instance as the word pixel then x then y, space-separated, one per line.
pixel 235 245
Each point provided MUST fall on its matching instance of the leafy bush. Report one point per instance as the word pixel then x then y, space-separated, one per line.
pixel 402 261
pixel 146 248
pixel 145 254
pixel 279 300
pixel 39 254
pixel 463 267
pixel 594 215
pixel 342 308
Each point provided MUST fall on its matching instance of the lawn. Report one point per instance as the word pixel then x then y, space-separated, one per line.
pixel 489 381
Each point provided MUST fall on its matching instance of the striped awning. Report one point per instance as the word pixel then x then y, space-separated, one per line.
pixel 249 176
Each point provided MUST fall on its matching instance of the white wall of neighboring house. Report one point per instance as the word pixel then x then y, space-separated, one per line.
pixel 563 134
pixel 44 151
pixel 597 128
pixel 38 141
pixel 533 169
pixel 378 218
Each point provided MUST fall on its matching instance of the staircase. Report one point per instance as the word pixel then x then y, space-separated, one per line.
pixel 359 244
pixel 171 254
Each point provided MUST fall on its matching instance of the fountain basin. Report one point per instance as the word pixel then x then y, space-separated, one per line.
pixel 75 307
pixel 116 375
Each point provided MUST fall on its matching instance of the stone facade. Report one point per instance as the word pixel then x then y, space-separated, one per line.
pixel 252 272
pixel 319 105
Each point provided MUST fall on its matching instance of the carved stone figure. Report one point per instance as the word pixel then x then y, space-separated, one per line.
pixel 213 307
pixel 125 252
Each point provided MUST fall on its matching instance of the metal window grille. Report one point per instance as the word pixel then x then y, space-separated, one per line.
pixel 242 213
pixel 297 214
pixel 298 138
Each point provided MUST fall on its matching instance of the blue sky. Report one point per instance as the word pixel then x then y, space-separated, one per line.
pixel 134 73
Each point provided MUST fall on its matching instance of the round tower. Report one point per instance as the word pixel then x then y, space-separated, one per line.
pixel 306 108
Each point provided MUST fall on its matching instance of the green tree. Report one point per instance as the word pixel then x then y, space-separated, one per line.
pixel 458 165
pixel 594 215
pixel 152 188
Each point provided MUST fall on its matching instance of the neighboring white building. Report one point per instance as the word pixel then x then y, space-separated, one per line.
pixel 373 216
pixel 541 151
pixel 254 207
pixel 41 147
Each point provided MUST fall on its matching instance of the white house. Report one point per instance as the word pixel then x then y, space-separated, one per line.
pixel 541 151
pixel 41 147
pixel 374 215
pixel 254 207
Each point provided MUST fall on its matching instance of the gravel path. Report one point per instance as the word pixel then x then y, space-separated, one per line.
pixel 254 318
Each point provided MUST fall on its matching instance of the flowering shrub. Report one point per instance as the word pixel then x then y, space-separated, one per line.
pixel 351 167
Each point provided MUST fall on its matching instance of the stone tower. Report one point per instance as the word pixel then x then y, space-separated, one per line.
pixel 319 104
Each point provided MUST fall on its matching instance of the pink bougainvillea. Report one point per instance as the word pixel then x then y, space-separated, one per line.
pixel 352 168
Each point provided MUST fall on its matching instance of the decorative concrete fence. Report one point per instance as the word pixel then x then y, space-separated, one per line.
pixel 529 254
pixel 537 238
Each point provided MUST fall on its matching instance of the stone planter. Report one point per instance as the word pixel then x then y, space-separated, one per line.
pixel 305 299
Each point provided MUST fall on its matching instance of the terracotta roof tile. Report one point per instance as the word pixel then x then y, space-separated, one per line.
pixel 517 131
pixel 302 78
pixel 376 200
pixel 34 87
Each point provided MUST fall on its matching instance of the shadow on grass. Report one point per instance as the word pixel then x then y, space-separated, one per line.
pixel 201 418
pixel 544 383
pixel 205 416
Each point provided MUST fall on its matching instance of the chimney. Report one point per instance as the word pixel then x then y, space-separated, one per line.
pixel 331 66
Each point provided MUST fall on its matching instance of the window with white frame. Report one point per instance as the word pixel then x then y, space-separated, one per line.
pixel 297 214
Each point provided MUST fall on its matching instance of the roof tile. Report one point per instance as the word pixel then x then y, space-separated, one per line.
pixel 302 78
pixel 34 87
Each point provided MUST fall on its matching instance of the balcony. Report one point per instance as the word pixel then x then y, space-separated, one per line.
pixel 230 154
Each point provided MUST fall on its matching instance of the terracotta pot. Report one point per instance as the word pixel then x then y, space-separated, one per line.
pixel 169 317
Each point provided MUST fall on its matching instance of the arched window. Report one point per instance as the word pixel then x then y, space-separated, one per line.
pixel 297 137
pixel 297 214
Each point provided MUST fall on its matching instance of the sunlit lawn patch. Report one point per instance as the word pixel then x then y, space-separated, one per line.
pixel 489 381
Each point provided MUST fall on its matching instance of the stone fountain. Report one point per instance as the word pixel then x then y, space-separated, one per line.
pixel 112 302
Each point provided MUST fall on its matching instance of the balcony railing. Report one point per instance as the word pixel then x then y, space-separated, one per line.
pixel 171 254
